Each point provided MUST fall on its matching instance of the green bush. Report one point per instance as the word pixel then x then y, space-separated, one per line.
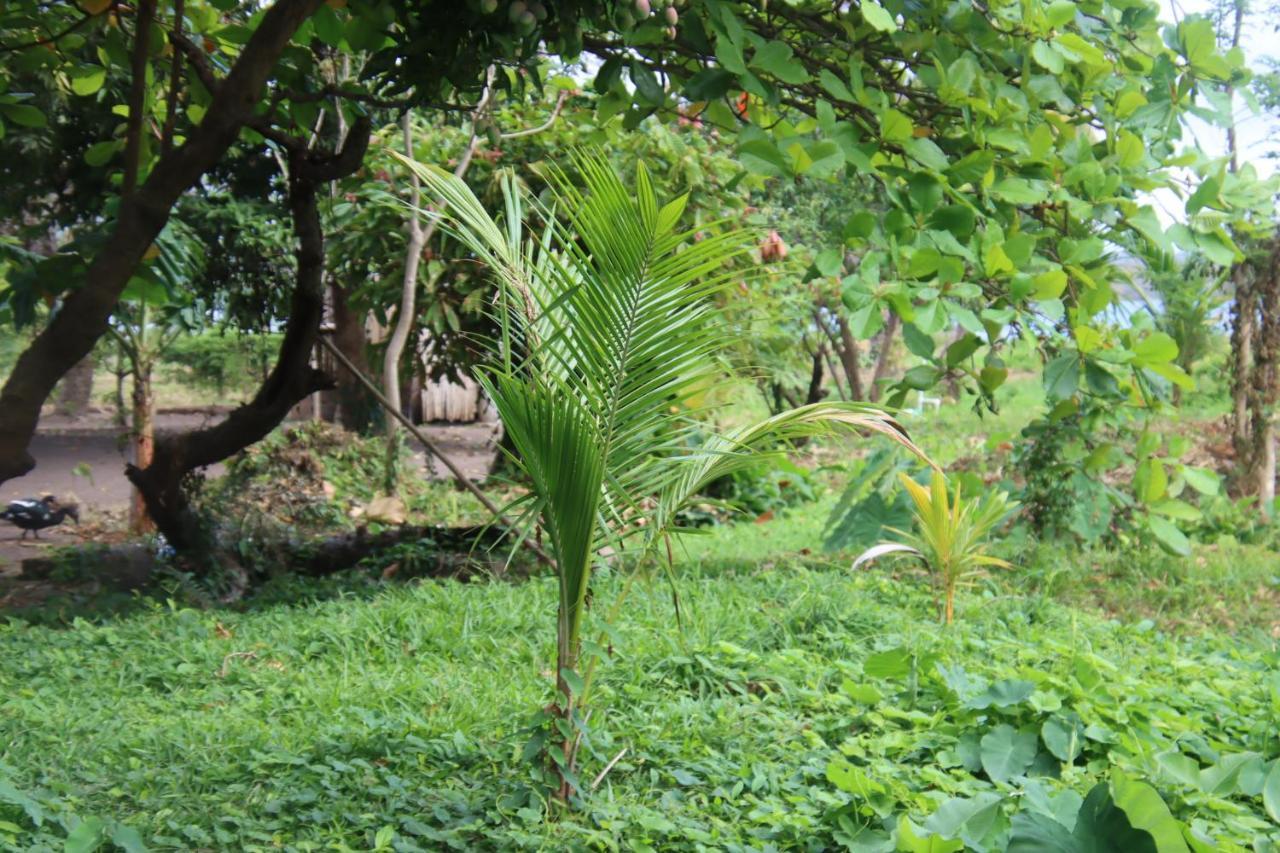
pixel 219 361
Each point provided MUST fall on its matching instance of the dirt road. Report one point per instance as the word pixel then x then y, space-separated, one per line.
pixel 103 496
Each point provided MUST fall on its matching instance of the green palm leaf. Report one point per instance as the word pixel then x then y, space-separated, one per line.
pixel 608 324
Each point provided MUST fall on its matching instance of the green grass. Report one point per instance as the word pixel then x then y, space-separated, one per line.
pixel 363 714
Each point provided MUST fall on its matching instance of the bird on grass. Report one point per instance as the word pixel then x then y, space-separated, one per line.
pixel 34 515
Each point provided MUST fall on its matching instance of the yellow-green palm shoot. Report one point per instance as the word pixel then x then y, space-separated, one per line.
pixel 951 535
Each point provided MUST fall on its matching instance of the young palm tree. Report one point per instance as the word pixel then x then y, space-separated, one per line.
pixel 951 535
pixel 608 328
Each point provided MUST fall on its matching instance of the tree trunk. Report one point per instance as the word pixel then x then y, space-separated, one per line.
pixel 1264 390
pixel 405 313
pixel 291 380
pixel 849 358
pixel 885 356
pixel 815 393
pixel 1243 320
pixel 82 318
pixel 356 410
pixel 142 437
pixel 76 393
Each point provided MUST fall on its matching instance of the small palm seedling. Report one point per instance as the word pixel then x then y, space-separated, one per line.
pixel 951 535
pixel 608 331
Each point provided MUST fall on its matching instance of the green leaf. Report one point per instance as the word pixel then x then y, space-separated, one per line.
pixel 1049 284
pixel 1146 223
pixel 1204 481
pixel 911 841
pixel 1007 752
pixel 875 15
pixel 971 168
pixel 761 156
pixel 778 59
pixel 88 79
pixel 829 262
pixel 1018 191
pixel 127 839
pixel 852 780
pixel 1044 54
pixel 1063 737
pixel 100 153
pixel 24 115
pixel 1002 694
pixel 1271 792
pixel 1062 377
pixel 969 819
pixel 1155 348
pixel 894 663
pixel 895 126
pixel 1129 149
pixel 87 836
pixel 1146 811
pixel 1169 536
pixel 1060 12
pixel 709 84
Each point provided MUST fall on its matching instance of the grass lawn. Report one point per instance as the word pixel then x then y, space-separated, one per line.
pixel 797 706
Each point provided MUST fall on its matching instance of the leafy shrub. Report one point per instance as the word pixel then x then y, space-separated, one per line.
pixel 765 486
pixel 219 361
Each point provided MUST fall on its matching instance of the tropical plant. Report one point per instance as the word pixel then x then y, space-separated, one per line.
pixel 608 330
pixel 951 535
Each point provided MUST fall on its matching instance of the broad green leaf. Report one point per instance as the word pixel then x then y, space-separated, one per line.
pixel 969 819
pixel 895 126
pixel 1060 12
pixel 852 779
pixel 1049 284
pixel 1007 752
pixel 1062 736
pixel 1146 811
pixel 893 663
pixel 1271 792
pixel 1062 377
pixel 100 153
pixel 1017 191
pixel 911 840
pixel 1169 536
pixel 1155 348
pixel 1204 481
pixel 777 58
pixel 971 168
pixel 1129 149
pixel 87 80
pixel 1146 223
pixel 875 15
pixel 1044 54
pixel 24 115
pixel 87 836
pixel 1150 482
pixel 1002 694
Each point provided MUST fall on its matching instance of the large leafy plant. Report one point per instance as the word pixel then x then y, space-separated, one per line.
pixel 609 331
pixel 950 535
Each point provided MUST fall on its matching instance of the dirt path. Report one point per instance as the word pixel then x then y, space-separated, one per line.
pixel 103 496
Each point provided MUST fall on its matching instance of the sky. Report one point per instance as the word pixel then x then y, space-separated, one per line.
pixel 1257 134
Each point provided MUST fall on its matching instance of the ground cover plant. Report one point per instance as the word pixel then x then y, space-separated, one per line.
pixel 801 706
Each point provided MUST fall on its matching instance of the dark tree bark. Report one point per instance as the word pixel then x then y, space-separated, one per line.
pixel 885 355
pixel 1264 391
pixel 292 378
pixel 849 358
pixel 82 318
pixel 356 408
pixel 816 392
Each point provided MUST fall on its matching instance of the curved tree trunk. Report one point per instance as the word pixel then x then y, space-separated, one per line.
pixel 82 319
pixel 291 380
